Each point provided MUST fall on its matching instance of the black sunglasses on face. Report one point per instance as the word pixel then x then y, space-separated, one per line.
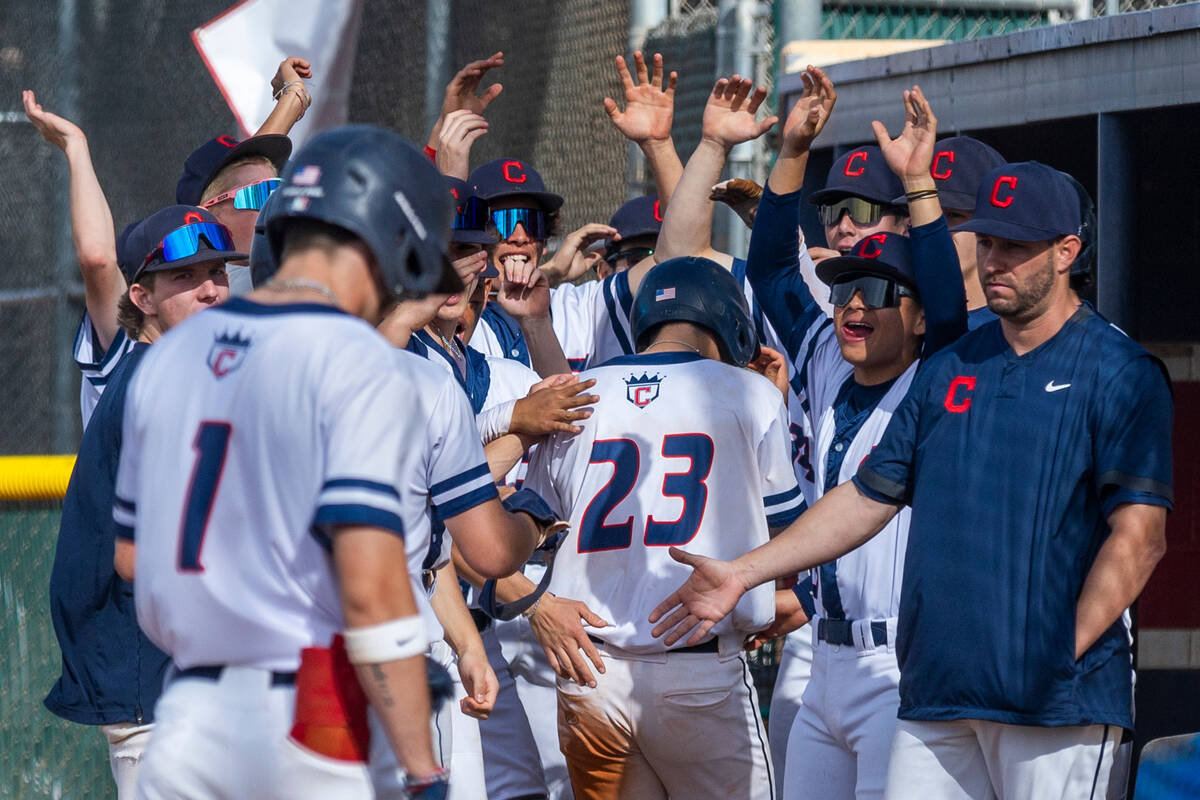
pixel 877 292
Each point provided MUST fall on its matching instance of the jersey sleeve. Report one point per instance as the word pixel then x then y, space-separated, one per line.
pixel 939 282
pixel 364 441
pixel 781 494
pixel 887 474
pixel 1133 437
pixel 540 475
pixel 95 363
pixel 459 478
pixel 124 513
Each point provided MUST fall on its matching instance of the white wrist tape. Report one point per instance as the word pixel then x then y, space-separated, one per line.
pixel 495 421
pixel 387 641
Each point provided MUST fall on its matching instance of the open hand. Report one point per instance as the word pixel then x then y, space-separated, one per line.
pixel 460 91
pixel 564 265
pixel 729 114
pixel 558 625
pixel 707 597
pixel 808 117
pixel 552 406
pixel 649 108
pixel 53 128
pixel 910 154
pixel 459 131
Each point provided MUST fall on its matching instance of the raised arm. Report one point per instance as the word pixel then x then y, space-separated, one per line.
pixel 91 220
pixel 291 96
pixel 459 131
pixel 646 120
pixel 939 279
pixel 460 93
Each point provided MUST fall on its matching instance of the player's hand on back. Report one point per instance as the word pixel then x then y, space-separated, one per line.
pixel 552 405
pixel 479 682
pixel 53 128
pixel 772 365
pixel 558 624
pixel 910 154
pixel 707 597
pixel 810 113
pixel 649 106
pixel 729 116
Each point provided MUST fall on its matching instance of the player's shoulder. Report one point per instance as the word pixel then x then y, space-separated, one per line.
pixel 511 371
pixel 1116 355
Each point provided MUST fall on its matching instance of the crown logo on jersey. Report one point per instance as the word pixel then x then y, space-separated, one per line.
pixel 642 391
pixel 227 353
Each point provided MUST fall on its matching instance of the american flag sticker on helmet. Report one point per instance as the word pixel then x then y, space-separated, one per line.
pixel 664 294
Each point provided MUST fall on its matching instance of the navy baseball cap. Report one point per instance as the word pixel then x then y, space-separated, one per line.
pixel 1025 202
pixel 212 241
pixel 863 172
pixel 506 177
pixel 888 255
pixel 959 164
pixel 470 220
pixel 641 216
pixel 214 155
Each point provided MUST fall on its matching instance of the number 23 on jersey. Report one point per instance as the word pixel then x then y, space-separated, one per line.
pixel 692 451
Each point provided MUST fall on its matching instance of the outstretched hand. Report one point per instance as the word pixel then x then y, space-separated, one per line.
pixel 729 115
pixel 649 108
pixel 460 92
pixel 910 154
pixel 707 597
pixel 553 406
pixel 53 128
pixel 811 112
pixel 458 133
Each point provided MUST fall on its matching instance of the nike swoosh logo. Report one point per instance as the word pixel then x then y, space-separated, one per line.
pixel 1051 386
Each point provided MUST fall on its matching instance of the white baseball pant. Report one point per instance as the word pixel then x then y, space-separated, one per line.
pixel 971 759
pixel 667 725
pixel 126 743
pixel 842 736
pixel 795 666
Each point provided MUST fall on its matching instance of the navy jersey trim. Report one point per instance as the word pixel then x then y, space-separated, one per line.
pixel 123 531
pixel 466 502
pixel 240 305
pixel 879 488
pixel 782 518
pixel 357 514
pixel 360 483
pixel 782 497
pixel 611 303
pixel 804 593
pixel 667 357
pixel 473 473
pixel 1137 484
pixel 125 505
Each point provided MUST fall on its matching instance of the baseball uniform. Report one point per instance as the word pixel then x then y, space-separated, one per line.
pixel 96 363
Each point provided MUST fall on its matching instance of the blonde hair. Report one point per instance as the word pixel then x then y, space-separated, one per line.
pixel 223 181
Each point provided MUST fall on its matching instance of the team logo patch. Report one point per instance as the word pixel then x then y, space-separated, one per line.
pixel 227 353
pixel 307 176
pixel 642 391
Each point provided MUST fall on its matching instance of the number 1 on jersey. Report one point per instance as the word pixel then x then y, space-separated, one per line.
pixel 211 444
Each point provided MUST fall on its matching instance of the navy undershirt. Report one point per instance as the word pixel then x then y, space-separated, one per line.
pixel 854 403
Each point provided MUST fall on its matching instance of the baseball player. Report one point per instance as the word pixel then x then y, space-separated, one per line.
pixel 637 224
pixel 859 199
pixel 296 399
pixel 1014 661
pixel 637 479
pixel 112 673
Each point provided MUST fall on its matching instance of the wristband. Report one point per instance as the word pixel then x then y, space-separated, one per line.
pixel 428 787
pixel 388 641
pixel 495 421
pixel 431 153
pixel 921 194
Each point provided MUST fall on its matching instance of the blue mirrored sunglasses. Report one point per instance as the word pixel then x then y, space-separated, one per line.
pixel 535 222
pixel 250 197
pixel 471 216
pixel 184 242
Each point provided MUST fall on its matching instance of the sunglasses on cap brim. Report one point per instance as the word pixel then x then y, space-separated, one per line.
pixel 472 215
pixel 633 255
pixel 863 212
pixel 877 291
pixel 535 222
pixel 184 242
pixel 251 197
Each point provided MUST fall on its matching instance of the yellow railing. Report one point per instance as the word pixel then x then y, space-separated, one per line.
pixel 34 477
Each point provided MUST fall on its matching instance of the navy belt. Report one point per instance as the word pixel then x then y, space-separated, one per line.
pixel 839 631
pixel 214 674
pixel 711 646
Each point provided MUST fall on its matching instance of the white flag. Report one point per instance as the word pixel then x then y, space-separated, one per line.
pixel 243 46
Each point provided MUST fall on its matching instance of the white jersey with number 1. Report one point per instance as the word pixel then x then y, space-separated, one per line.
pixel 680 450
pixel 250 432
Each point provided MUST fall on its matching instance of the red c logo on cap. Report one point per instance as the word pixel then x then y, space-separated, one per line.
pixel 657 212
pixel 952 402
pixel 506 169
pixel 191 217
pixel 454 192
pixel 228 141
pixel 850 162
pixel 1004 180
pixel 872 246
pixel 948 155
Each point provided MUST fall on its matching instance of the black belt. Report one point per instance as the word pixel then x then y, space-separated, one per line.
pixel 214 674
pixel 840 631
pixel 713 645
pixel 482 620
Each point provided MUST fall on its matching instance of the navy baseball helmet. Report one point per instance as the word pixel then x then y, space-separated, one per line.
pixel 263 265
pixel 373 183
pixel 700 291
pixel 214 155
